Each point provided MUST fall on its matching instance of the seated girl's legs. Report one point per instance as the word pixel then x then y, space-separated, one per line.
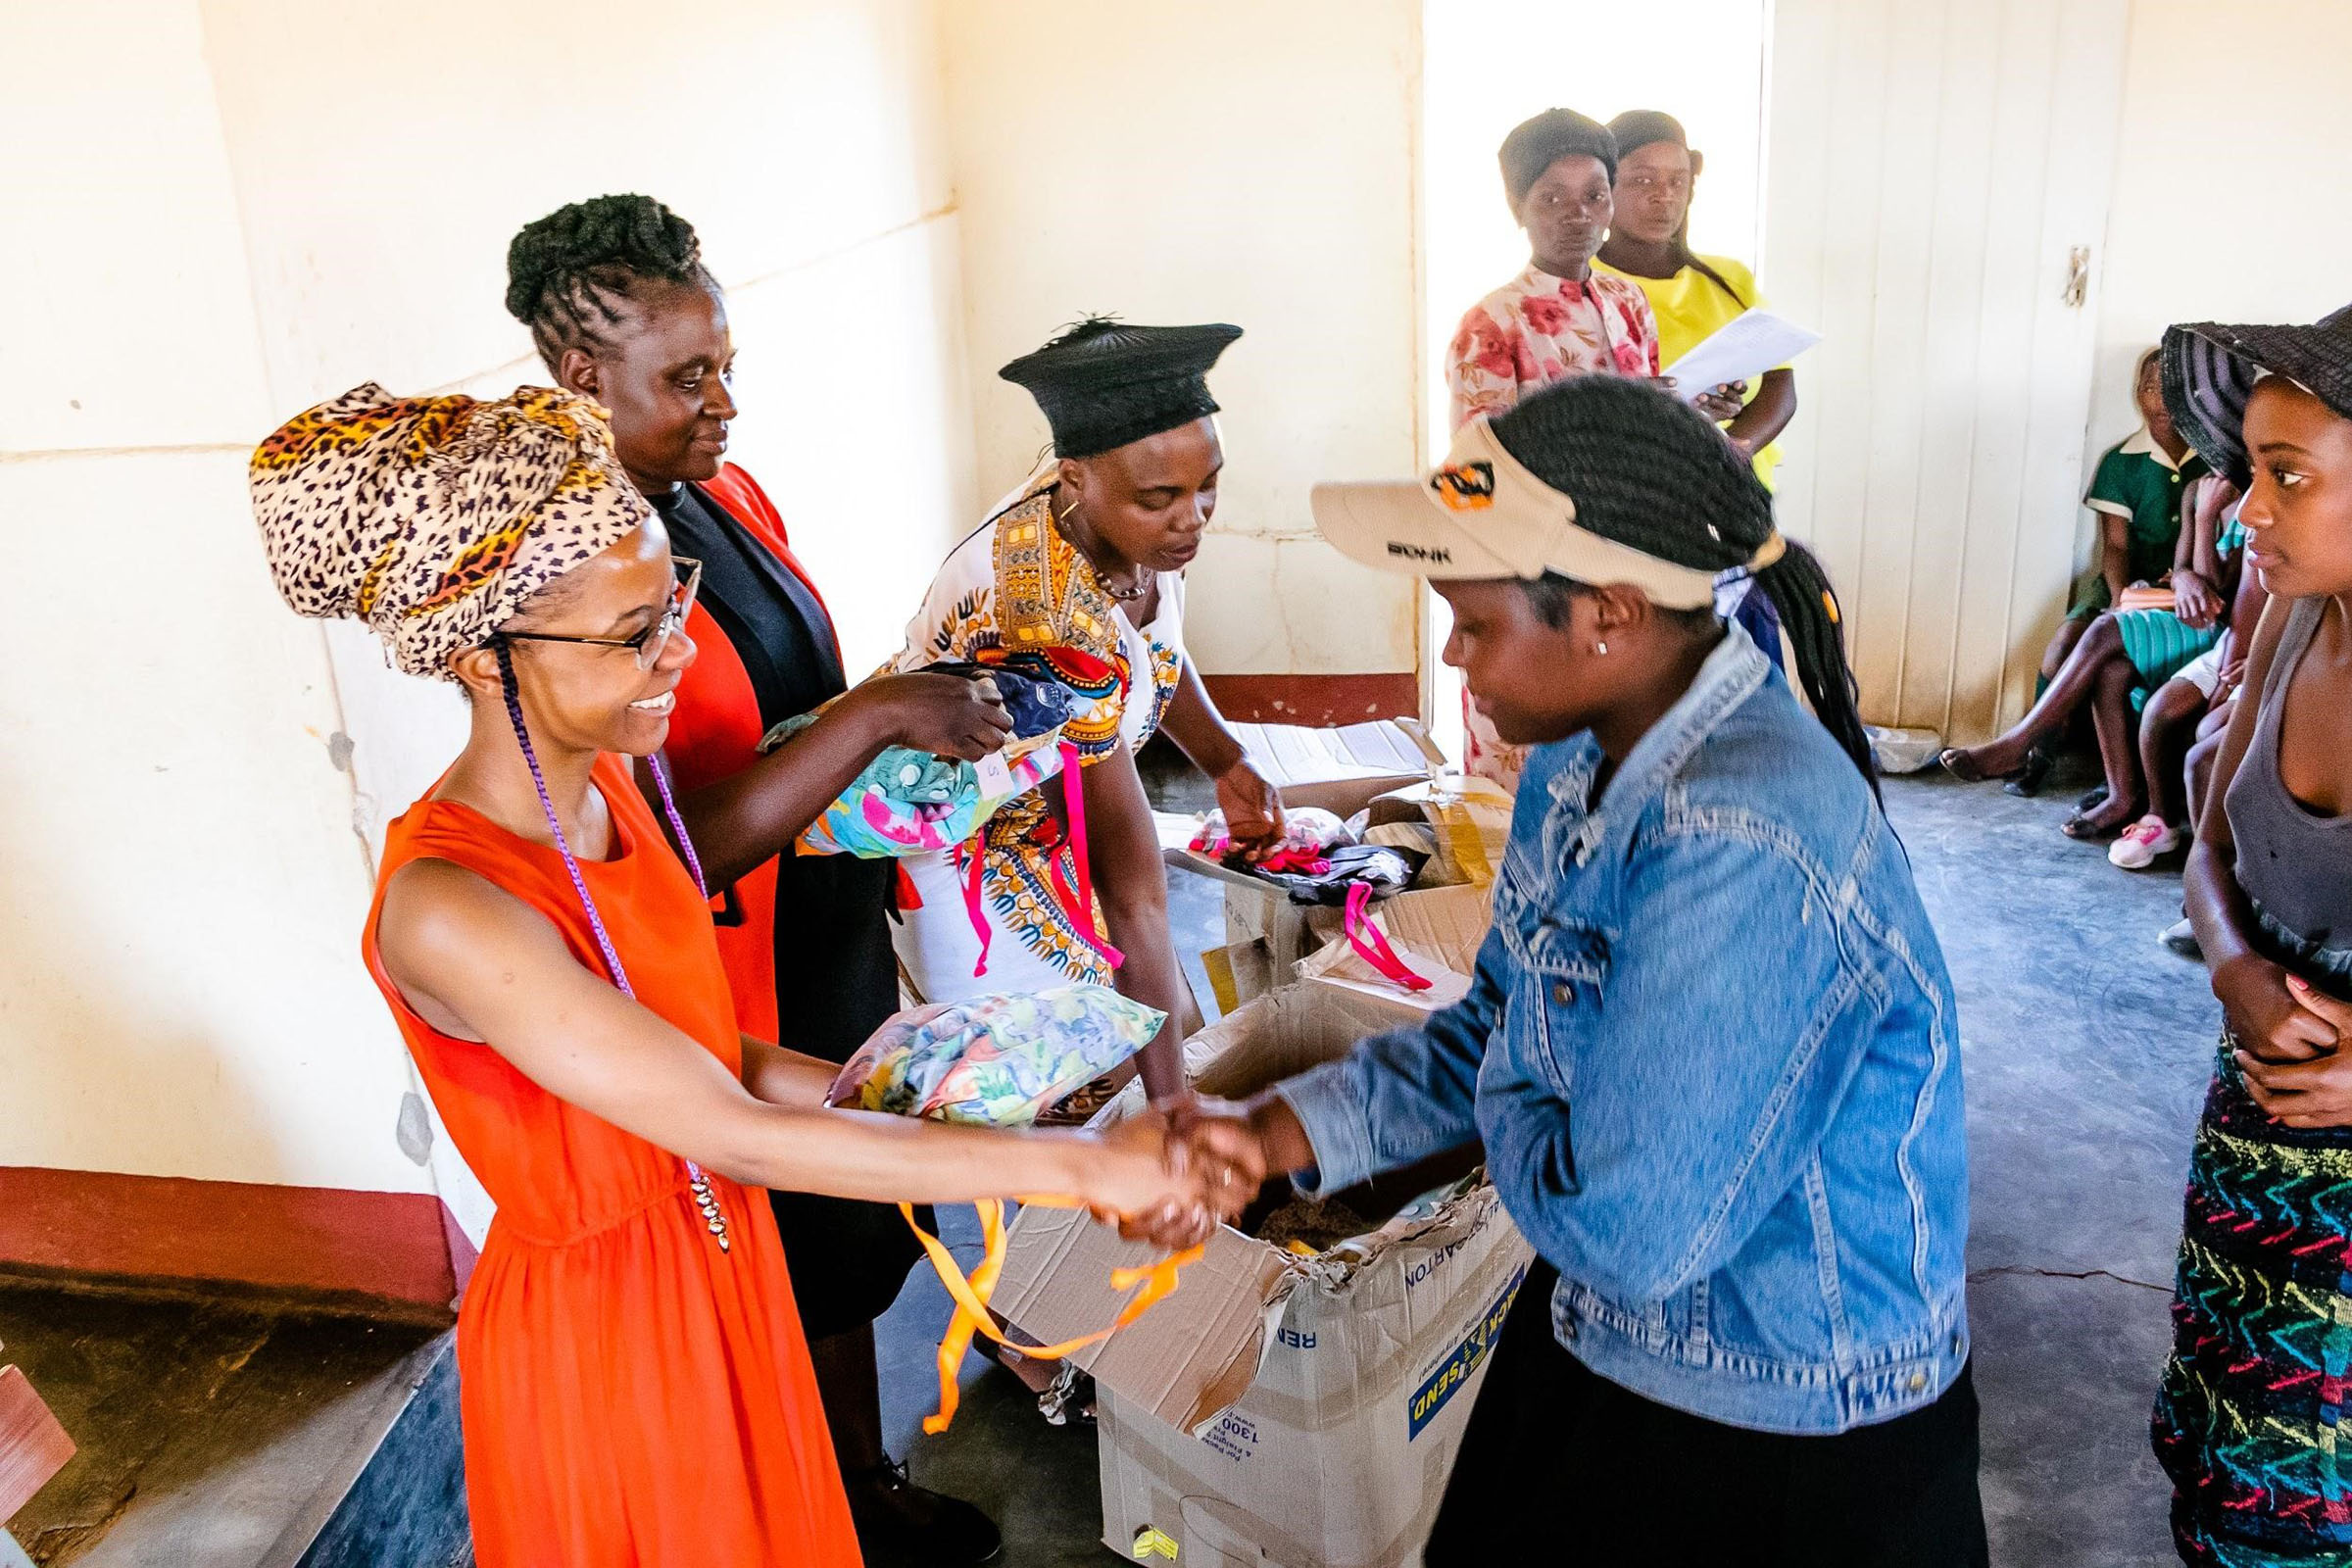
pixel 2111 714
pixel 2196 770
pixel 2076 682
pixel 2167 725
pixel 2062 645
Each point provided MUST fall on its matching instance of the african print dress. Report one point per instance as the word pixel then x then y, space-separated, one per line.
pixel 1017 590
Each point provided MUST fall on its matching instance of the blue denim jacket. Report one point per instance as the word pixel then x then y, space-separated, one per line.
pixel 1714 1056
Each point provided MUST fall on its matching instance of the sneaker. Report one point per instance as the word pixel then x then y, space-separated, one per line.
pixel 2144 843
pixel 2181 937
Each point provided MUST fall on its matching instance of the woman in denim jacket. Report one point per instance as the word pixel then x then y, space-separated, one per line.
pixel 1711 1045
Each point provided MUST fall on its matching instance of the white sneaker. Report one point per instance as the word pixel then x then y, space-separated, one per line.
pixel 2144 843
pixel 2180 937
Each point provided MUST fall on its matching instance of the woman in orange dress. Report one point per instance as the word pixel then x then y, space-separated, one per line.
pixel 634 1387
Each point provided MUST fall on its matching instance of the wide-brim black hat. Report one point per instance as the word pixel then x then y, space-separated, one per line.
pixel 1104 382
pixel 2208 370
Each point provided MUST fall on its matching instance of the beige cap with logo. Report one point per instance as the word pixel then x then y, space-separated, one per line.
pixel 1481 514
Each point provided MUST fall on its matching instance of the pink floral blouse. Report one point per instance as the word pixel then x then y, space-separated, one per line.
pixel 1538 329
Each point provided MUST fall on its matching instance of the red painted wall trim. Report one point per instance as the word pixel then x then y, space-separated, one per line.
pixel 390 1245
pixel 1315 701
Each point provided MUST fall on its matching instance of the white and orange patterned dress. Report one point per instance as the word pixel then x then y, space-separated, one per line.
pixel 1016 587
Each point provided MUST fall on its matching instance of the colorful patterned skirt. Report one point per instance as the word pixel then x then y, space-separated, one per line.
pixel 2246 1419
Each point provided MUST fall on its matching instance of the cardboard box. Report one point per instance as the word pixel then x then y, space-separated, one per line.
pixel 1436 932
pixel 1279 1409
pixel 1472 821
pixel 1340 769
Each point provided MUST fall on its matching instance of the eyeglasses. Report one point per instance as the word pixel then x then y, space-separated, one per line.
pixel 647 645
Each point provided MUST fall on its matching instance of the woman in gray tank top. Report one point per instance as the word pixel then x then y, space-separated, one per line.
pixel 2249 1409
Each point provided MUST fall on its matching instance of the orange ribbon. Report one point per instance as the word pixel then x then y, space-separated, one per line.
pixel 1151 1283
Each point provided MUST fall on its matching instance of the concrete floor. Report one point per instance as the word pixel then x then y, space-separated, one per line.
pixel 2087 1049
pixel 217 1432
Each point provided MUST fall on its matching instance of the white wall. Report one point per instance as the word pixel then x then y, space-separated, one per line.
pixel 1932 164
pixel 234 209
pixel 1217 161
pixel 2234 184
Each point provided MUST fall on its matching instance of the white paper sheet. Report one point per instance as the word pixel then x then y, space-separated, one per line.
pixel 1741 350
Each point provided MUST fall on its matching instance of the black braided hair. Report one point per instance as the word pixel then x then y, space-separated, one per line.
pixel 1649 472
pixel 570 274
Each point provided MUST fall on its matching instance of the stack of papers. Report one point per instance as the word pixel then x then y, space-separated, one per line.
pixel 1741 350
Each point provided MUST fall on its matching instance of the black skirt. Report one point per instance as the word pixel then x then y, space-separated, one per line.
pixel 836 978
pixel 1563 1467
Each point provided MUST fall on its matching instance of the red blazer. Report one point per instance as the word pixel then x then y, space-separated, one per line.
pixel 714 732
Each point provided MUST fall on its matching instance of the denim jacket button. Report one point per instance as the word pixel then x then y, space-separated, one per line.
pixel 1919 1381
pixel 1564 994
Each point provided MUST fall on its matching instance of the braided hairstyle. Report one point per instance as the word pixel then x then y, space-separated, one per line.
pixel 571 275
pixel 1648 470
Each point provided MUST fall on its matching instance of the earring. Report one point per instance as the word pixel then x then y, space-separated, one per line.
pixel 1600 648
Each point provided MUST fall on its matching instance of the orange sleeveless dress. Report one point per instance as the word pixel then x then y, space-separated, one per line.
pixel 631 1396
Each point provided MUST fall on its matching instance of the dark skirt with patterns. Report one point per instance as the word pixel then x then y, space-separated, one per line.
pixel 2247 1415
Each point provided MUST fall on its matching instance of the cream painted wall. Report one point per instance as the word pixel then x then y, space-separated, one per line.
pixel 179 886
pixel 2233 124
pixel 1217 161
pixel 245 206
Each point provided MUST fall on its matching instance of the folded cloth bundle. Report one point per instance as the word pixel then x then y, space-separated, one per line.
pixel 908 802
pixel 996 1062
pixel 1382 870
pixel 1309 834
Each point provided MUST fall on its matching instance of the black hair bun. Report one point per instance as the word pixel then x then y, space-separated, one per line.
pixel 634 234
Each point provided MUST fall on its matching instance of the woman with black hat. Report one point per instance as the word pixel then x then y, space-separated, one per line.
pixel 2252 1403
pixel 1080 575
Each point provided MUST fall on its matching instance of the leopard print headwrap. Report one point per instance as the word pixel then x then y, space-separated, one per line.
pixel 433 520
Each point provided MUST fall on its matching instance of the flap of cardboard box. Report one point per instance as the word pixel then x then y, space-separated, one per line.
pixel 1436 932
pixel 1186 1359
pixel 1340 769
pixel 1194 1353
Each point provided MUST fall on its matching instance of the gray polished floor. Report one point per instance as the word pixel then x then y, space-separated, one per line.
pixel 2087 1052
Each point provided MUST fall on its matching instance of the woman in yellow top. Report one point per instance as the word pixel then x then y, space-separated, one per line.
pixel 1689 294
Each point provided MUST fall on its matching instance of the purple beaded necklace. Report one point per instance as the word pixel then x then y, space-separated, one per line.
pixel 698 1183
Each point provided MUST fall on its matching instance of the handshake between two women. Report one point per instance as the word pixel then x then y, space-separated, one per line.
pixel 1214 1154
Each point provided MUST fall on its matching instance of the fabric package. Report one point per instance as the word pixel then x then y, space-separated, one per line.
pixel 996 1062
pixel 907 801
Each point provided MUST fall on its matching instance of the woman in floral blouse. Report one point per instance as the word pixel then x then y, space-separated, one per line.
pixel 1557 318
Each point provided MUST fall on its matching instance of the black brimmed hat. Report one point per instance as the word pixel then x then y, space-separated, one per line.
pixel 1535 145
pixel 1105 383
pixel 2210 369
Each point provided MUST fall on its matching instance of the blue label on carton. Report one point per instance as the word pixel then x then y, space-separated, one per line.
pixel 1446 1381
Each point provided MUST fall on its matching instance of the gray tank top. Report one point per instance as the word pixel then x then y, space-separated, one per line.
pixel 2295 863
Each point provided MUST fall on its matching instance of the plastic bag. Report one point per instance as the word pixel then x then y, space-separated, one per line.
pixel 994 1061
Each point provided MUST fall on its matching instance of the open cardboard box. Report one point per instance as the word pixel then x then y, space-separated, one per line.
pixel 1340 769
pixel 1470 816
pixel 1436 932
pixel 1280 1409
